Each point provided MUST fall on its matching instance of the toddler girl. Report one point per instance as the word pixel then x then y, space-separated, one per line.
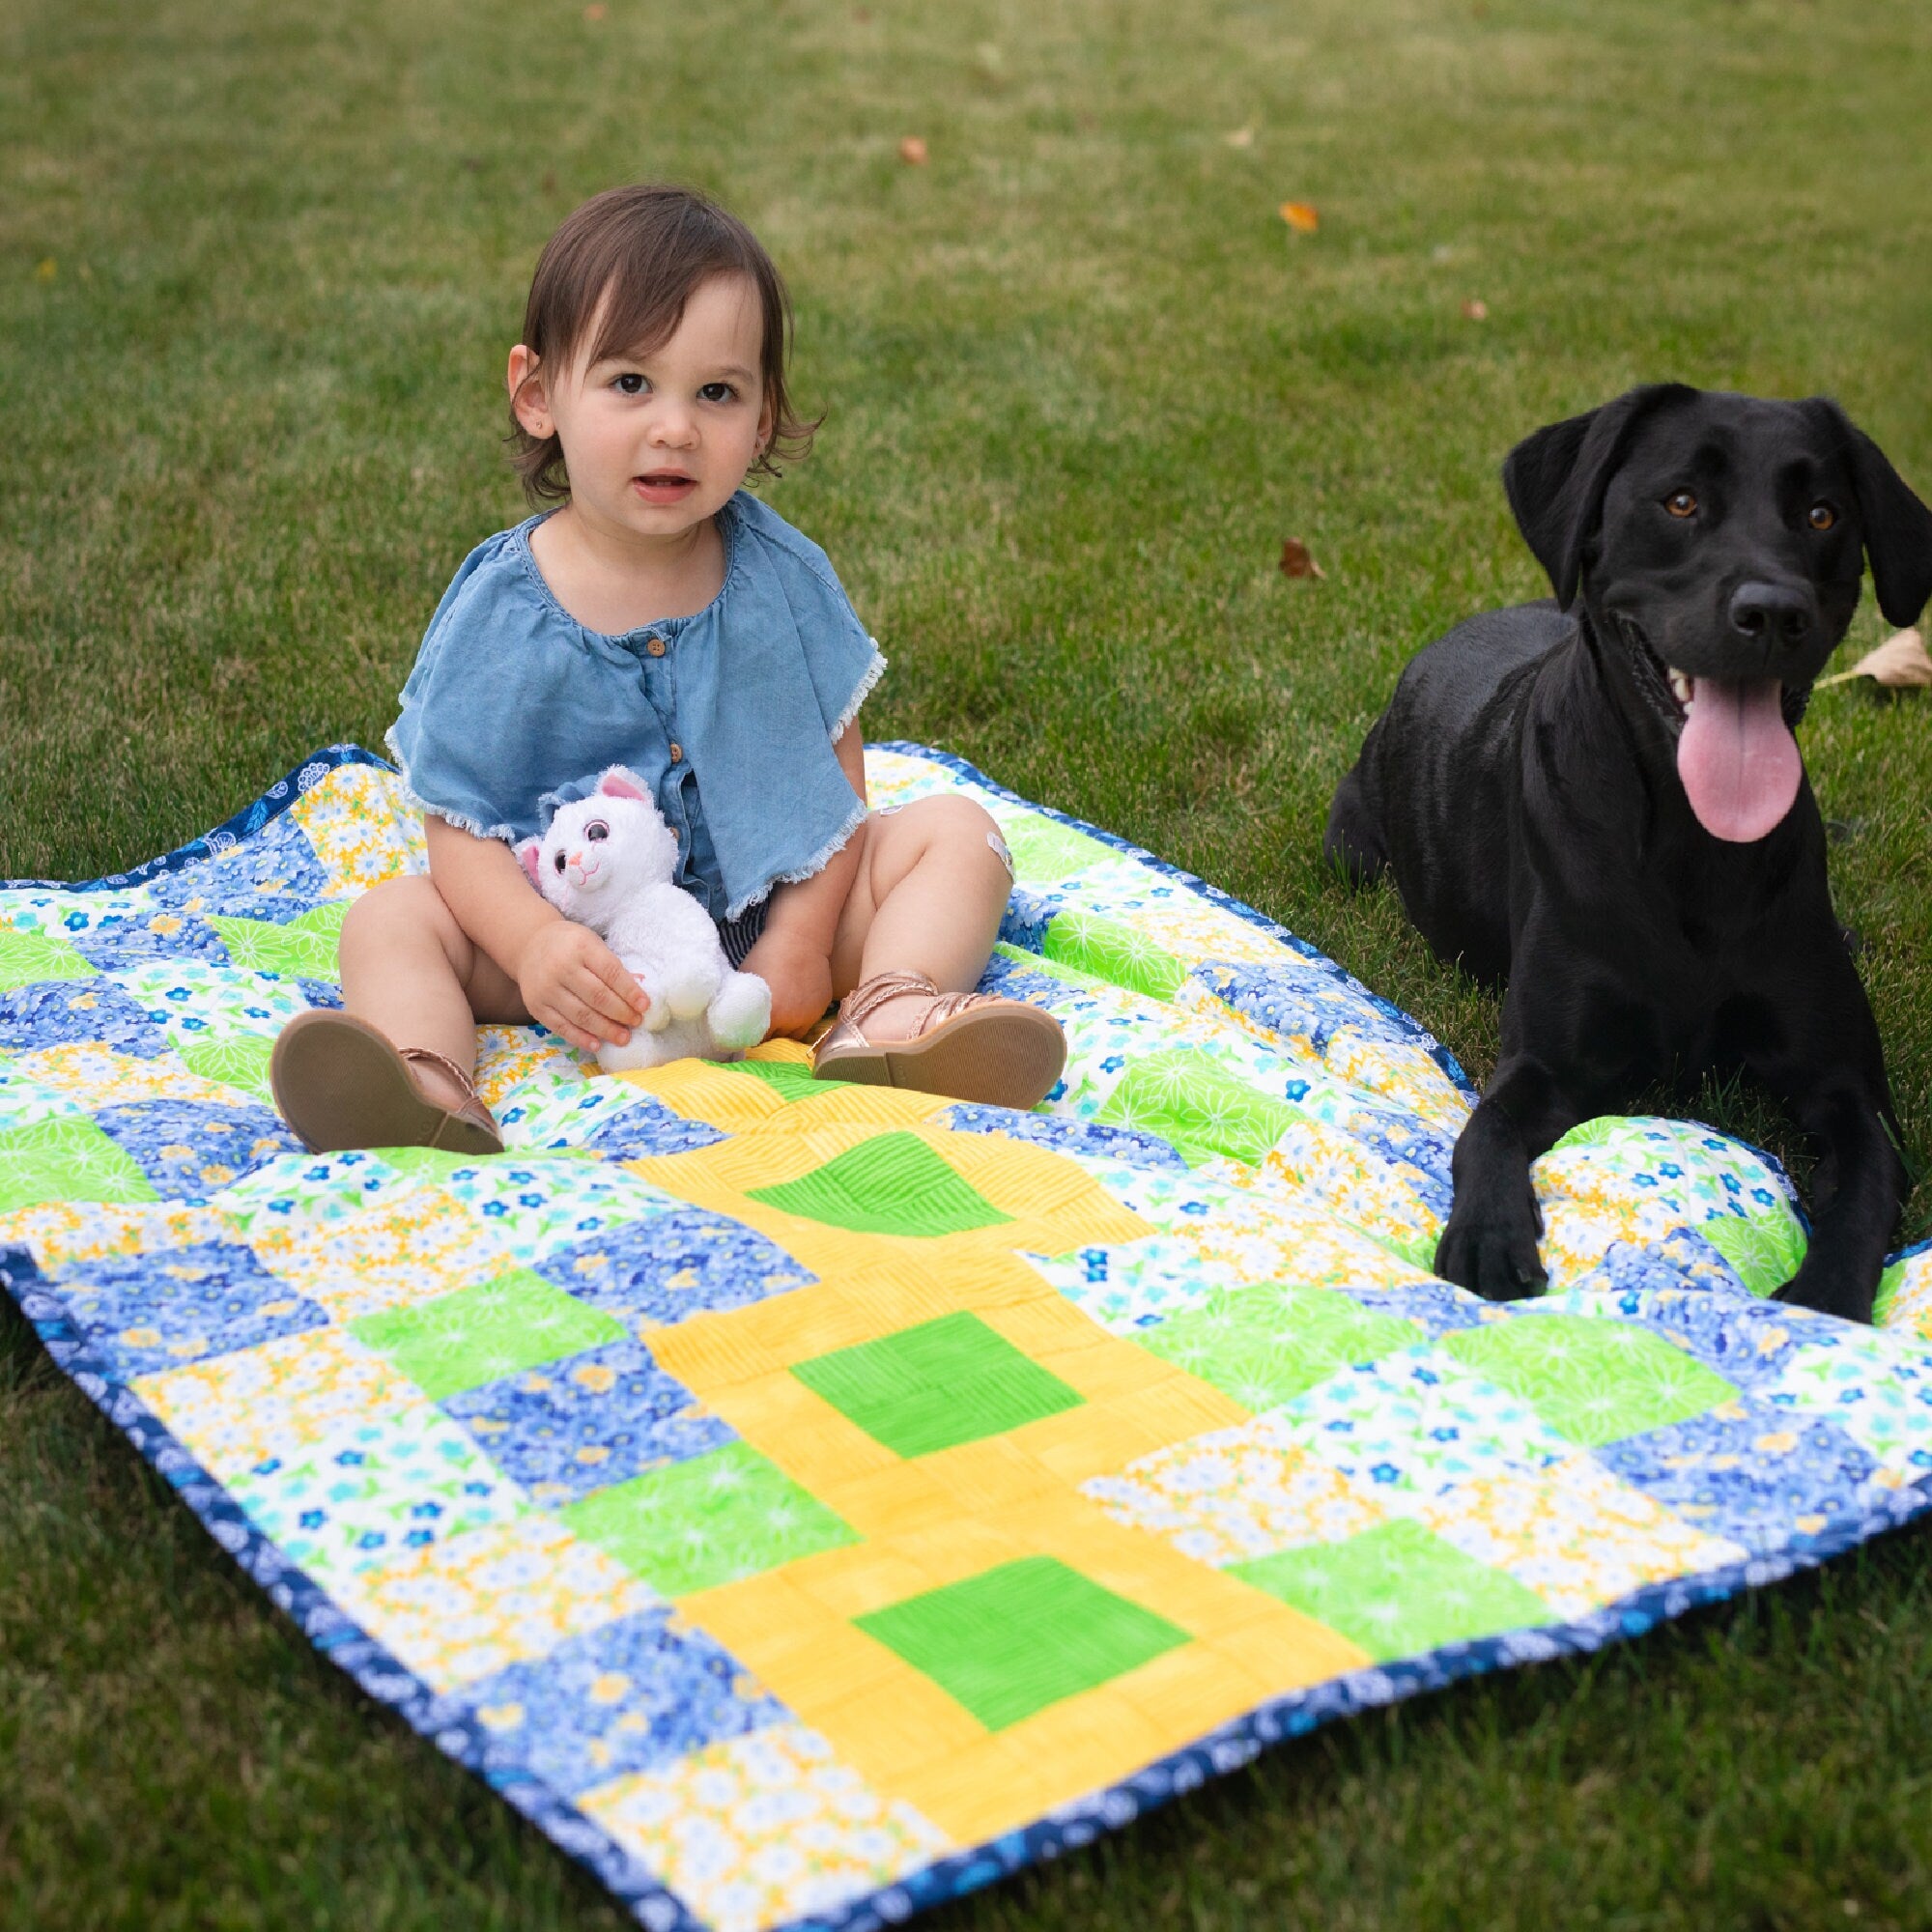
pixel 663 619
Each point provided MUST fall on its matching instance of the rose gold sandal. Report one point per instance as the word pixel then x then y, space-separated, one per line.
pixel 339 1083
pixel 969 1046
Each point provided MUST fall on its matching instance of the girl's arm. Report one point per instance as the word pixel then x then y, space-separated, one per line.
pixel 793 954
pixel 571 981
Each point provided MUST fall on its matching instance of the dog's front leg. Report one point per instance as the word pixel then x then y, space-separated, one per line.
pixel 1818 1051
pixel 1858 1187
pixel 1488 1243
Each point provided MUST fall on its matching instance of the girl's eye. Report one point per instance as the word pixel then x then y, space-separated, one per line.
pixel 716 392
pixel 1821 516
pixel 631 384
pixel 1681 503
pixel 596 828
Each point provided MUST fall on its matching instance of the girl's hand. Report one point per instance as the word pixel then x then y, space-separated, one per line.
pixel 573 983
pixel 800 976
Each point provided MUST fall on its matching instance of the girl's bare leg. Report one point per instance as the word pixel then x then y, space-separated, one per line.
pixel 929 897
pixel 412 972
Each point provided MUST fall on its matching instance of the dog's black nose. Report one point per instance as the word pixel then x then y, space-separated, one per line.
pixel 1773 613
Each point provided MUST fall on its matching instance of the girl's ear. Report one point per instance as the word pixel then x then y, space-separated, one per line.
pixel 528 400
pixel 617 783
pixel 529 853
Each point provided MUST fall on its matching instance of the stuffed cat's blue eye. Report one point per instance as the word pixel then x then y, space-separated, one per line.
pixel 560 862
pixel 596 828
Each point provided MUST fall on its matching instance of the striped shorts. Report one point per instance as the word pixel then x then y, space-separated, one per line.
pixel 739 935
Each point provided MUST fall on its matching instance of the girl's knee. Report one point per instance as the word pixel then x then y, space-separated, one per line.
pixel 962 826
pixel 398 910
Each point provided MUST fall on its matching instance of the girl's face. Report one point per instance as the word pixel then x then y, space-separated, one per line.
pixel 657 444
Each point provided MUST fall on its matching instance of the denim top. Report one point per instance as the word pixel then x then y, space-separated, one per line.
pixel 515 708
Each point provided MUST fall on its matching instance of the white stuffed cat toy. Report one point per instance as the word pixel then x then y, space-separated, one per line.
pixel 608 861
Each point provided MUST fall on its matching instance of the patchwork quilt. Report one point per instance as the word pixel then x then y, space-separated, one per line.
pixel 809 1501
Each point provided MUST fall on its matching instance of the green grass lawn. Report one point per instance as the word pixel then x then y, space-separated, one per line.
pixel 259 269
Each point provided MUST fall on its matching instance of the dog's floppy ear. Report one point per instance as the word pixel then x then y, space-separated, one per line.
pixel 1557 478
pixel 1898 526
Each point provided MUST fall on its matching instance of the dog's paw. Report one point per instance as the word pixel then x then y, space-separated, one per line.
pixel 1829 1291
pixel 1493 1253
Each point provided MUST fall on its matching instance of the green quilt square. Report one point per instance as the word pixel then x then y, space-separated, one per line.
pixel 303 948
pixel 28 957
pixel 706 1520
pixel 1044 850
pixel 791 1080
pixel 1593 1381
pixel 67 1159
pixel 460 1341
pixel 945 1382
pixel 1111 950
pixel 1015 1640
pixel 890 1184
pixel 1267 1344
pixel 238 1060
pixel 1199 1106
pixel 1765 1250
pixel 1397 1590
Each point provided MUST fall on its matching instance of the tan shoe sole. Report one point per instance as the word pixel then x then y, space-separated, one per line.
pixel 340 1084
pixel 1004 1056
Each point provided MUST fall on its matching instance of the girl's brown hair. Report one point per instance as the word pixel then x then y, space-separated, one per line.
pixel 641 251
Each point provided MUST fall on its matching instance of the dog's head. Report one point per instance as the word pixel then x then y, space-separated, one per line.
pixel 1720 541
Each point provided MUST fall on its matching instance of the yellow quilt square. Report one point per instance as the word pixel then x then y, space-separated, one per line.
pixel 62 1233
pixel 769 1829
pixel 417 1244
pixel 234 1410
pixel 480 1600
pixel 895 1501
pixel 1187 1693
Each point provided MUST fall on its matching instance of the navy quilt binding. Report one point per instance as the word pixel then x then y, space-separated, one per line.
pixel 1067 1827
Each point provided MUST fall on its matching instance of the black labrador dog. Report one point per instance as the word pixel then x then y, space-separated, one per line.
pixel 1600 799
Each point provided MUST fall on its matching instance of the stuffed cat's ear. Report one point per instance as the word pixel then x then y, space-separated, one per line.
pixel 529 854
pixel 618 783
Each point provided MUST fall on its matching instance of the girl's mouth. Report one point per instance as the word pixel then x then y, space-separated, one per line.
pixel 663 486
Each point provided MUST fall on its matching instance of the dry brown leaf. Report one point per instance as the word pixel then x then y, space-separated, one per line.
pixel 1298 560
pixel 1303 216
pixel 1475 309
pixel 1899 663
pixel 912 152
pixel 1241 137
pixel 595 10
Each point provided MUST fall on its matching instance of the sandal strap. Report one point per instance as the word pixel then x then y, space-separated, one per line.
pixel 948 1006
pixel 446 1064
pixel 869 995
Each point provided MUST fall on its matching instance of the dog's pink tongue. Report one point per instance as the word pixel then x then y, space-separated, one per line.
pixel 1737 758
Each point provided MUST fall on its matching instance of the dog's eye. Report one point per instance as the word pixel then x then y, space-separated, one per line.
pixel 1821 516
pixel 1681 503
pixel 596 828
